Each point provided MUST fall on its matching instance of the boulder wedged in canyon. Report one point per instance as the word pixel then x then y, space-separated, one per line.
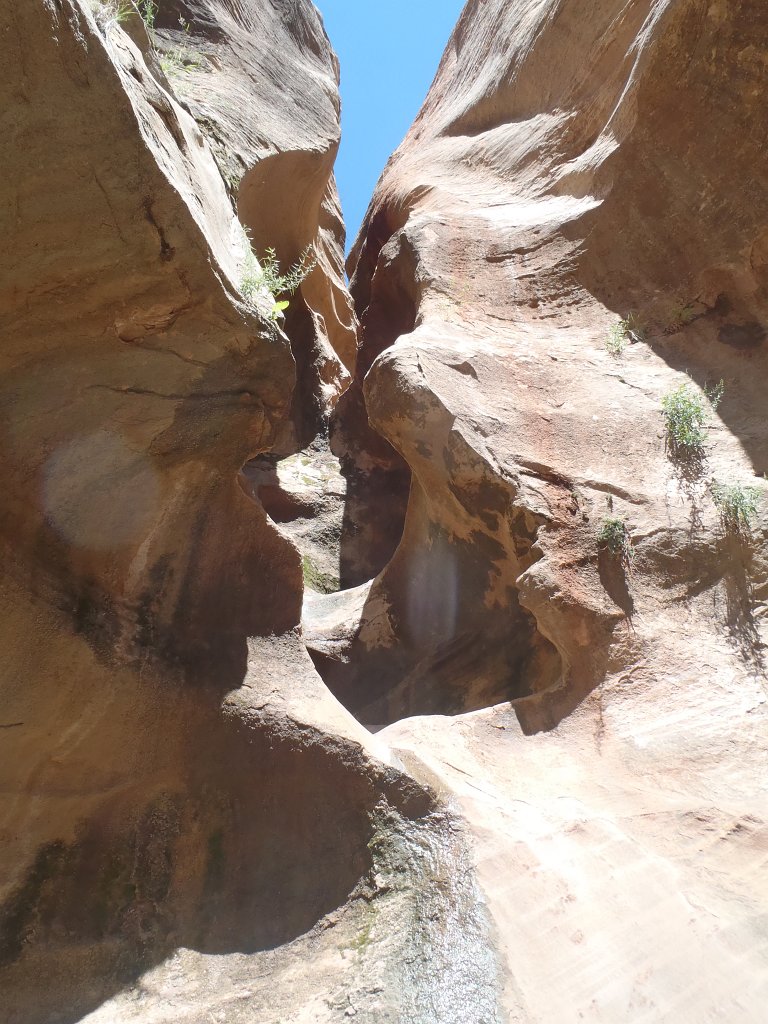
pixel 575 177
pixel 189 819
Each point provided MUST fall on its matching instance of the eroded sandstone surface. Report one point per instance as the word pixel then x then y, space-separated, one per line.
pixel 574 166
pixel 504 773
pixel 189 819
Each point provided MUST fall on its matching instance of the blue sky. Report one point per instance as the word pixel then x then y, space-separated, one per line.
pixel 389 51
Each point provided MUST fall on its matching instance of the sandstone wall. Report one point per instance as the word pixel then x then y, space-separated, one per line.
pixel 574 165
pixel 562 814
pixel 175 776
pixel 564 173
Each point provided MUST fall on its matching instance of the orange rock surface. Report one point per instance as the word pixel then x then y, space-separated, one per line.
pixel 524 779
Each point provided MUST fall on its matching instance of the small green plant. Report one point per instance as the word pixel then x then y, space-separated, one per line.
pixel 266 277
pixel 737 505
pixel 179 60
pixel 148 11
pixel 616 341
pixel 121 10
pixel 685 415
pixel 625 331
pixel 684 313
pixel 174 60
pixel 714 394
pixel 232 178
pixel 106 11
pixel 633 328
pixel 614 537
pixel 680 315
pixel 279 283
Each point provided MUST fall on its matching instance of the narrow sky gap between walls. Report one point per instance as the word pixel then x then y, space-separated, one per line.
pixel 389 53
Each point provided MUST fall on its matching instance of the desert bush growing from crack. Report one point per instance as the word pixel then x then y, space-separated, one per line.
pixel 232 178
pixel 737 505
pixel 118 11
pixel 259 278
pixel 613 537
pixel 622 333
pixel 148 11
pixel 680 313
pixel 178 60
pixel 616 341
pixel 106 11
pixel 174 60
pixel 685 415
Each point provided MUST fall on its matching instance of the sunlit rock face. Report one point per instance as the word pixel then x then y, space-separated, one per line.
pixel 538 200
pixel 574 166
pixel 191 827
pixel 263 87
pixel 570 739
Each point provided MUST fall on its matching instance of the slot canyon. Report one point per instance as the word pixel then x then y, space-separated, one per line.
pixel 383 636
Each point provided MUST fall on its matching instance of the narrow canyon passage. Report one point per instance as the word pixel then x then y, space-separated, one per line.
pixel 383 632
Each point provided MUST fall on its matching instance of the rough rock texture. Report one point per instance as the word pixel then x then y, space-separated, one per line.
pixel 193 828
pixel 226 60
pixel 575 163
pixel 304 495
pixel 189 819
pixel 509 216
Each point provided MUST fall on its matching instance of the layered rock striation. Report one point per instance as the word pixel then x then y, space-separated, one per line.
pixel 262 82
pixel 551 617
pixel 188 815
pixel 578 174
pixel 537 203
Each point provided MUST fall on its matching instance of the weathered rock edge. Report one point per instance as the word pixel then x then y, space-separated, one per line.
pixel 538 199
pixel 569 169
pixel 184 800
